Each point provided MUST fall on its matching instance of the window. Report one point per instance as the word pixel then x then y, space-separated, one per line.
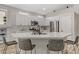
pixel 2 17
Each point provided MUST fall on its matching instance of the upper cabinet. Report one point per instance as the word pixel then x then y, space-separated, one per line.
pixel 51 19
pixel 40 20
pixel 66 24
pixel 22 19
pixel 26 20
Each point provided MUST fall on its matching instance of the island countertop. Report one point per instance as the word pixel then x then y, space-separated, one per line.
pixel 51 35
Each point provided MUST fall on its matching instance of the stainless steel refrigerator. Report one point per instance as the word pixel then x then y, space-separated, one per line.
pixel 54 26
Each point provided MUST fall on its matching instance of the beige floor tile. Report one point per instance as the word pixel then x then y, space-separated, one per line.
pixel 40 49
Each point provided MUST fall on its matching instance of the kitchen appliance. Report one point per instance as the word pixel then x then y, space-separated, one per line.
pixel 35 28
pixel 54 26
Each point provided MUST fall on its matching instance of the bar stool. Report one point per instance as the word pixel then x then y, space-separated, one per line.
pixel 8 44
pixel 26 45
pixel 74 43
pixel 55 45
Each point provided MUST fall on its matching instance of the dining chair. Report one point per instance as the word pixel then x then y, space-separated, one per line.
pixel 6 44
pixel 74 43
pixel 26 45
pixel 56 45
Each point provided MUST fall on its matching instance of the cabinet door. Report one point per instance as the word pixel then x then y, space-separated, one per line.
pixel 47 22
pixel 65 24
pixel 22 20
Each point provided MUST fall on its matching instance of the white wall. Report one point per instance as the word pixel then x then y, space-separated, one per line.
pixel 76 24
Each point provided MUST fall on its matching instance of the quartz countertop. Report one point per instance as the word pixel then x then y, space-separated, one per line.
pixel 51 35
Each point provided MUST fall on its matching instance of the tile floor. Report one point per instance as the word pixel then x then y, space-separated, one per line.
pixel 40 49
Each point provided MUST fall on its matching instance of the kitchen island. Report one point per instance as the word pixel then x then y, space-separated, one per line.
pixel 41 40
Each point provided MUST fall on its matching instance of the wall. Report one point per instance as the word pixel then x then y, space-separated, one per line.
pixel 76 24
pixel 76 10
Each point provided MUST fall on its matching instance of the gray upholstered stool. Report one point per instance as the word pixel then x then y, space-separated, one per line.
pixel 55 45
pixel 26 45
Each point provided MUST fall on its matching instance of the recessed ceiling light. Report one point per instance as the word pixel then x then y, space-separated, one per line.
pixel 44 8
pixel 40 16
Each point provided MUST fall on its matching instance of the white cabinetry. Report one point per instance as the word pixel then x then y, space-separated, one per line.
pixel 26 20
pixel 22 20
pixel 40 20
pixel 67 23
pixel 51 19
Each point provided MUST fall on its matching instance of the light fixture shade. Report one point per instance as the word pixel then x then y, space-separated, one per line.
pixel 4 18
pixel 24 13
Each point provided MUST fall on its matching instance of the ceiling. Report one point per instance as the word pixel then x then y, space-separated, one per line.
pixel 40 8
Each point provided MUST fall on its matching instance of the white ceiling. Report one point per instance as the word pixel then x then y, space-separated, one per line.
pixel 40 8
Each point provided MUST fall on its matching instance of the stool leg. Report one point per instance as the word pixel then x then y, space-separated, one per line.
pixel 74 48
pixel 5 49
pixel 47 51
pixel 16 49
pixel 25 52
pixel 66 48
pixel 58 52
pixel 35 50
pixel 31 51
pixel 19 51
pixel 62 52
pixel 77 46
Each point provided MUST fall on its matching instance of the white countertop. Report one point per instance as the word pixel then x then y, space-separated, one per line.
pixel 52 35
